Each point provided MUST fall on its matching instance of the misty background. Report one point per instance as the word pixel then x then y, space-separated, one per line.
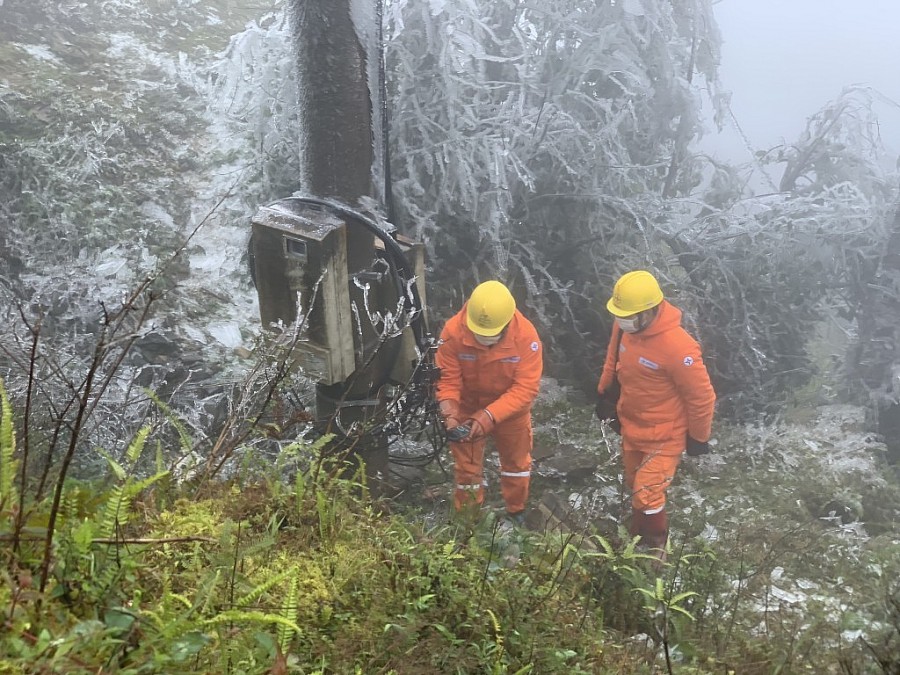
pixel 782 61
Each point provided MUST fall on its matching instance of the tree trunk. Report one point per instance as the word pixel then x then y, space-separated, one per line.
pixel 875 360
pixel 335 101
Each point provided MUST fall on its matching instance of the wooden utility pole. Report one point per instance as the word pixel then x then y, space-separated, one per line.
pixel 335 100
pixel 336 119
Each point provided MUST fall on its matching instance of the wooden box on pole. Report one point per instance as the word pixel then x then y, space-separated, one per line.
pixel 300 268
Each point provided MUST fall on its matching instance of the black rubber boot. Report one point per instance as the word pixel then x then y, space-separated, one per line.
pixel 654 534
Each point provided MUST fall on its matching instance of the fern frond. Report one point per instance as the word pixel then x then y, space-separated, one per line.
pixel 118 505
pixel 114 466
pixel 498 635
pixel 237 616
pixel 135 488
pixel 184 439
pixel 291 611
pixel 180 598
pixel 8 466
pixel 207 589
pixel 110 519
pixel 257 546
pixel 136 447
pixel 270 583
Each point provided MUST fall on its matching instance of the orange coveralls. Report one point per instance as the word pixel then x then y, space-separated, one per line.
pixel 504 379
pixel 666 395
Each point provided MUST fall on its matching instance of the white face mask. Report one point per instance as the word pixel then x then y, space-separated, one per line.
pixel 487 341
pixel 629 325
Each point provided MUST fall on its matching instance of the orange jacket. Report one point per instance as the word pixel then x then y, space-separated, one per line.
pixel 504 378
pixel 666 392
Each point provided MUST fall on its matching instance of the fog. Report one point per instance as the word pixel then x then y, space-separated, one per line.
pixel 783 61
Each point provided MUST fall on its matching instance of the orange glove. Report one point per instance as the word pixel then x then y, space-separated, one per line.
pixel 450 413
pixel 482 424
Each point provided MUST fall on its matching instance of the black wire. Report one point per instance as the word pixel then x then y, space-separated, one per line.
pixel 385 117
pixel 396 258
pixel 420 403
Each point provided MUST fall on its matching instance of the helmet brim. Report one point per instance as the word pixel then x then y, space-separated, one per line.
pixel 482 331
pixel 615 310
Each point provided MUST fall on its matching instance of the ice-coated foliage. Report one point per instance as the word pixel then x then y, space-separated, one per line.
pixel 534 143
pixel 550 147
pixel 759 271
pixel 253 99
pixel 109 159
pixel 546 145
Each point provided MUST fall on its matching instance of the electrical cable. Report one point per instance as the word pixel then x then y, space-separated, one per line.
pixel 385 116
pixel 750 149
pixel 416 402
pixel 396 258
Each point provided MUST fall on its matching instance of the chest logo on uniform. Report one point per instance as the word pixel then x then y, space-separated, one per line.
pixel 648 363
pixel 466 357
pixel 511 359
pixel 688 361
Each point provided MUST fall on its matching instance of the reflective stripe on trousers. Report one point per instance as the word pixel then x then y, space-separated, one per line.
pixel 513 439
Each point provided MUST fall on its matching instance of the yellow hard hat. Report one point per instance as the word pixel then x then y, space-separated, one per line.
pixel 491 306
pixel 634 292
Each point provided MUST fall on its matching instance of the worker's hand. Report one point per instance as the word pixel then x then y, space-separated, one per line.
pixel 696 448
pixel 606 410
pixel 450 414
pixel 458 434
pixel 482 424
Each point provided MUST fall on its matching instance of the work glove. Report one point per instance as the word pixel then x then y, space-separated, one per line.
pixel 458 434
pixel 482 424
pixel 696 448
pixel 449 413
pixel 606 410
pixel 615 425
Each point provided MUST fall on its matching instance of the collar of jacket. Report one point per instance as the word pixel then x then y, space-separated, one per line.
pixel 669 317
pixel 505 344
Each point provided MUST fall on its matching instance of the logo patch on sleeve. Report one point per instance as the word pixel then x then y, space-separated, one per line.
pixel 535 346
pixel 688 361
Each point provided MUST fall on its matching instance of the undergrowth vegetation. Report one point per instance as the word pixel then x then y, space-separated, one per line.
pixel 295 567
pixel 246 575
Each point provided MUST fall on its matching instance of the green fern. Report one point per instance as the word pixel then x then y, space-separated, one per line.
pixel 498 639
pixel 314 449
pixel 207 591
pixel 237 616
pixel 270 583
pixel 133 453
pixel 118 504
pixel 291 610
pixel 184 439
pixel 8 466
pixel 112 518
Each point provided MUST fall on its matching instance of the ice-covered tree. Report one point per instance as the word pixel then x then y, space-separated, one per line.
pixel 764 270
pixel 537 141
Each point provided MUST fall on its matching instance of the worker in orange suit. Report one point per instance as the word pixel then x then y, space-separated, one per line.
pixel 666 402
pixel 490 362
